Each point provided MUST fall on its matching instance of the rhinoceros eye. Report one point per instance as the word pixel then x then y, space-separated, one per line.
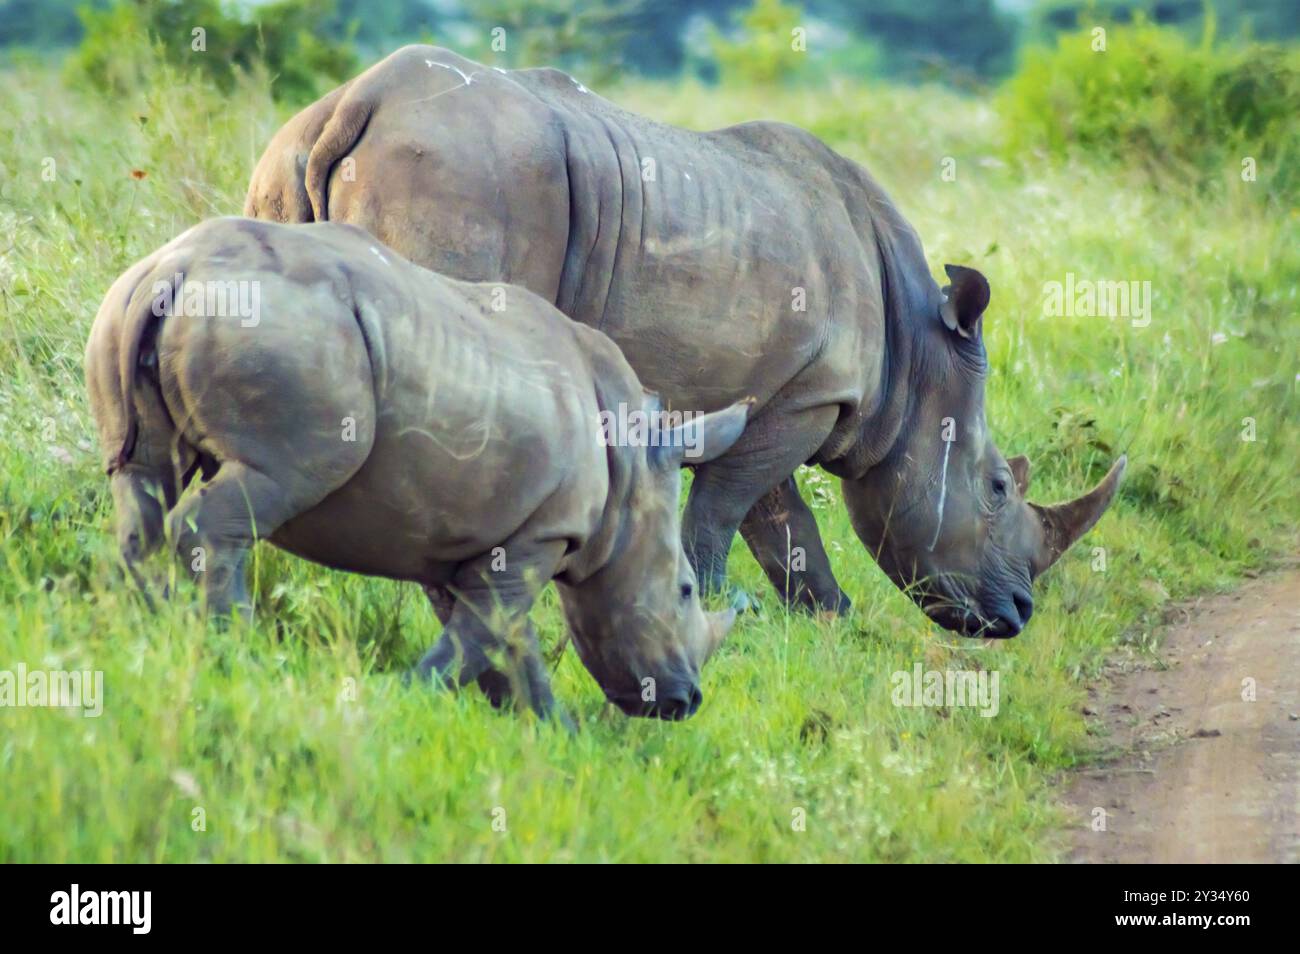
pixel 687 590
pixel 999 487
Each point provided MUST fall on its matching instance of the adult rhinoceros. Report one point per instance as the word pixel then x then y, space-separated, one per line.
pixel 751 261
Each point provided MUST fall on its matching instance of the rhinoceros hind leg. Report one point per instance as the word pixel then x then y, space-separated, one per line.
pixel 783 536
pixel 213 528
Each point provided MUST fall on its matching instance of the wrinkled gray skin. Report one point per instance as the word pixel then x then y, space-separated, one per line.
pixel 385 420
pixel 750 261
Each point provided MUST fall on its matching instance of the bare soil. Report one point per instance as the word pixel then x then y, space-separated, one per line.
pixel 1194 770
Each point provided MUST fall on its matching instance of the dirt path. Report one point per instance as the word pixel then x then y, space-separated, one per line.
pixel 1200 774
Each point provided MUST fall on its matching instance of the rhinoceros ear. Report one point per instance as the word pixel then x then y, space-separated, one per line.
pixel 701 438
pixel 964 300
pixel 1020 471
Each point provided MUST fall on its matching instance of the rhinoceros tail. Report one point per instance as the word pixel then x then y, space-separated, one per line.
pixel 340 134
pixel 139 325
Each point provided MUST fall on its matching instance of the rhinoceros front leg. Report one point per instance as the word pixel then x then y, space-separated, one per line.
pixel 487 620
pixel 493 682
pixel 724 490
pixel 783 536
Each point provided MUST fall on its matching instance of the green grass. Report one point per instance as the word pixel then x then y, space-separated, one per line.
pixel 294 735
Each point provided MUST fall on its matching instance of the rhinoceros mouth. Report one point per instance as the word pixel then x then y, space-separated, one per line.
pixel 674 706
pixel 965 622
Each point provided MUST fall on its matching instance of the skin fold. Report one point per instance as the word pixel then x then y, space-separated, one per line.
pixel 745 262
pixel 374 417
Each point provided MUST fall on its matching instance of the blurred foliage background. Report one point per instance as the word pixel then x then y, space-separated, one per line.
pixel 1194 82
pixel 957 41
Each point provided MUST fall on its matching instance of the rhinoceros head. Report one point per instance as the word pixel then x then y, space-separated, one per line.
pixel 637 623
pixel 945 514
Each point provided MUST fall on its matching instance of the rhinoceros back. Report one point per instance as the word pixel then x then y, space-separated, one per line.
pixel 724 264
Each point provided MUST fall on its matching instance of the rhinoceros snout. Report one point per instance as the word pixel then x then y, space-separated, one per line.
pixel 671 704
pixel 1000 618
pixel 1008 616
pixel 1024 604
pixel 678 706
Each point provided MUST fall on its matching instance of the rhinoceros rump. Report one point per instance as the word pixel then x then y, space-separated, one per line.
pixel 378 418
pixel 750 260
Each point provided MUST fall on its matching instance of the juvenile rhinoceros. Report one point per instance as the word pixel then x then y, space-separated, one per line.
pixel 372 416
pixel 751 260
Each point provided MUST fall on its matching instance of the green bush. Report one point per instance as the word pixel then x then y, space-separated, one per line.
pixel 763 51
pixel 1154 98
pixel 125 40
pixel 1260 19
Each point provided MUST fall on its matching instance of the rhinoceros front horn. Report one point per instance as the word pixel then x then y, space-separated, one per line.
pixel 1066 522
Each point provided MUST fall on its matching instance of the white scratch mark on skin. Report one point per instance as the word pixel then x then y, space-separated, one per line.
pixel 581 88
pixel 499 70
pixel 943 495
pixel 455 69
pixel 484 430
pixel 378 255
pixel 685 245
pixel 461 73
